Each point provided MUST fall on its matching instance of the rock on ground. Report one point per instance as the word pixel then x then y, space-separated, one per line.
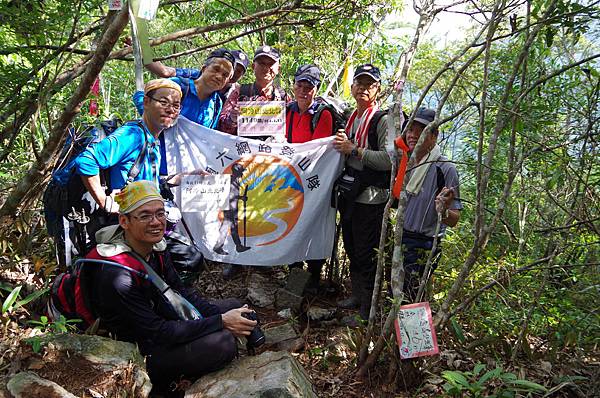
pixel 317 314
pixel 29 384
pixel 283 338
pixel 269 375
pixel 78 363
pixel 261 291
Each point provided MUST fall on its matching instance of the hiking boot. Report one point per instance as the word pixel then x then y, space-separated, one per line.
pixel 352 302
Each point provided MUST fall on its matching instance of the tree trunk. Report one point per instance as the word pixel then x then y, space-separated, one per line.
pixel 36 172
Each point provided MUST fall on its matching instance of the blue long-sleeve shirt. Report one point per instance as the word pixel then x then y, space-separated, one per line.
pixel 118 152
pixel 204 112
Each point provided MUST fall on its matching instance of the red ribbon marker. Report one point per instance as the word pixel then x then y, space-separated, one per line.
pixel 399 142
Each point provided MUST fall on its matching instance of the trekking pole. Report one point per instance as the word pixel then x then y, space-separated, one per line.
pixel 80 220
pixel 245 200
pixel 333 266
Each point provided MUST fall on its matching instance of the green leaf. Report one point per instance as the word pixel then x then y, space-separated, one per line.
pixel 490 375
pixel 458 331
pixel 31 297
pixel 478 368
pixel 456 378
pixel 528 385
pixel 508 376
pixel 452 389
pixel 10 300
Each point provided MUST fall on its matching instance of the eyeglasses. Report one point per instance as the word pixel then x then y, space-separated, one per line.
pixel 270 64
pixel 166 104
pixel 146 218
pixel 303 86
pixel 367 85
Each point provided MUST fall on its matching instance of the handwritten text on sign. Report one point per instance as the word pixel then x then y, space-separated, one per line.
pixel 204 193
pixel 415 332
pixel 261 118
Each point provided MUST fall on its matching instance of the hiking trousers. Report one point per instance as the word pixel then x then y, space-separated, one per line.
pixel 416 250
pixel 196 358
pixel 361 230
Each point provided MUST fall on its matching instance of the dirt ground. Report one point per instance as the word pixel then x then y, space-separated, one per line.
pixel 330 349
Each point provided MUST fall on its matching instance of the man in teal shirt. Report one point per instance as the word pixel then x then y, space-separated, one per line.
pixel 119 151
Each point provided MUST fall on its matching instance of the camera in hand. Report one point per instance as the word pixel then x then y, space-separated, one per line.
pixel 256 337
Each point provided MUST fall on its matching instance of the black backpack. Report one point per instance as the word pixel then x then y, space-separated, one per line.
pixel 63 195
pixel 339 110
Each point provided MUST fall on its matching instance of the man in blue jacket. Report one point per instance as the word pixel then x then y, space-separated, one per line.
pixel 200 102
pixel 133 309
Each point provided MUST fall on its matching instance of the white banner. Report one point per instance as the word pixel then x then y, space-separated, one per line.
pixel 278 206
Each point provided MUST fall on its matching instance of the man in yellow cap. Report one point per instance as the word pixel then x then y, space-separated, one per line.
pixel 131 153
pixel 133 308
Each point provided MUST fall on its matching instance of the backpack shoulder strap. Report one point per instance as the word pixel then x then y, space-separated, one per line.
pixel 372 134
pixel 182 307
pixel 135 169
pixel 317 117
pixel 440 179
pixel 246 90
pixel 288 109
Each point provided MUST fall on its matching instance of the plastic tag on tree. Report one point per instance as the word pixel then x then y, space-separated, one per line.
pixel 147 9
pixel 415 332
pixel 115 5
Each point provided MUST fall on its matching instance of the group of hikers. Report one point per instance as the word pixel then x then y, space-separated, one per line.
pixel 127 287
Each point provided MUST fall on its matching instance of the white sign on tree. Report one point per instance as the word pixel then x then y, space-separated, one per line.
pixel 415 332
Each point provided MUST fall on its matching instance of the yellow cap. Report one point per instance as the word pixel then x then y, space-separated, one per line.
pixel 137 194
pixel 162 83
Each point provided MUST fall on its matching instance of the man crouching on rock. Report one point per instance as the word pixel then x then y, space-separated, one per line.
pixel 131 306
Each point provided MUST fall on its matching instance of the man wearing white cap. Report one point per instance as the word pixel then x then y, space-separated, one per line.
pixel 266 68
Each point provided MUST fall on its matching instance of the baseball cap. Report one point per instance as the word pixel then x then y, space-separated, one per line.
pixel 240 58
pixel 370 70
pixel 268 51
pixel 424 116
pixel 310 73
pixel 137 194
pixel 222 53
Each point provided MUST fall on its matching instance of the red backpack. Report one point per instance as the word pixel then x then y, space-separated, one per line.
pixel 70 292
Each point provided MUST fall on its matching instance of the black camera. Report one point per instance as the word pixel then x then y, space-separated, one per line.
pixel 256 337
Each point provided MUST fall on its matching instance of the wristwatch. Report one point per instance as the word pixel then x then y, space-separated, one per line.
pixel 354 152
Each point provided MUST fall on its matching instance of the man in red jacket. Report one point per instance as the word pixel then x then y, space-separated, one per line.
pixel 300 127
pixel 133 309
